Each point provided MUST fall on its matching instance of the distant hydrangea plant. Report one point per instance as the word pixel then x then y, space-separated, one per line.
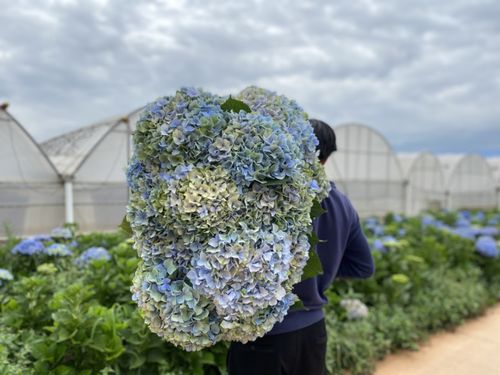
pixel 220 212
pixel 92 253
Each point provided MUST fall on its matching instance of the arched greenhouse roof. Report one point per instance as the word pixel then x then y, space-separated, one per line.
pixel 425 181
pixel 424 168
pixel 367 170
pixel 364 154
pixel 467 171
pixel 69 151
pixel 469 181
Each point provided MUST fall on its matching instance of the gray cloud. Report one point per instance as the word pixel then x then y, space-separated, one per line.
pixel 425 74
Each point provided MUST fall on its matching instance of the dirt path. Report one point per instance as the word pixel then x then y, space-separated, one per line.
pixel 473 349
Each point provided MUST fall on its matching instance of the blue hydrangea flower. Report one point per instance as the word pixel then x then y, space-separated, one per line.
pixel 462 222
pixel 220 209
pixel 465 232
pixel 92 253
pixel 374 226
pixel 486 246
pixel 488 231
pixel 28 247
pixel 378 245
pixel 479 216
pixel 427 220
pixel 58 249
pixel 465 214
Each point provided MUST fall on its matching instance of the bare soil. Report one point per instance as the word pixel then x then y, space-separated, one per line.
pixel 472 349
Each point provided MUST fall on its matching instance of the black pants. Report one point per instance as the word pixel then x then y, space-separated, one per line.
pixel 300 352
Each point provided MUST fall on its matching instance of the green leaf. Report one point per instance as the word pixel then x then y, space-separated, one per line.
pixel 208 358
pixel 316 209
pixel 235 106
pixel 313 240
pixel 125 226
pixel 299 305
pixel 313 266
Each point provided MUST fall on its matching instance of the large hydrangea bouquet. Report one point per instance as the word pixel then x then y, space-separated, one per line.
pixel 221 195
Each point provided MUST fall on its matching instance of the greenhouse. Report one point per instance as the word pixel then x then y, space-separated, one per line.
pixel 91 162
pixel 366 168
pixel 32 199
pixel 424 182
pixel 469 181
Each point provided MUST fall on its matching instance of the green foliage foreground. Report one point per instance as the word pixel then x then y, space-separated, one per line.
pixel 58 318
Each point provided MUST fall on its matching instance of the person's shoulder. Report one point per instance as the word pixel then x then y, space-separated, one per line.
pixel 338 201
pixel 336 195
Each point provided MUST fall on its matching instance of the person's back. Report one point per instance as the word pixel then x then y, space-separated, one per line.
pixel 297 345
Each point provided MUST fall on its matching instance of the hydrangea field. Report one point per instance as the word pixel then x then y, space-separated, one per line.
pixel 66 305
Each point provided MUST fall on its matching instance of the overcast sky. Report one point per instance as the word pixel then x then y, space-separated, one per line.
pixel 424 73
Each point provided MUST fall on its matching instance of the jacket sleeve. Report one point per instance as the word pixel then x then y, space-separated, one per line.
pixel 357 261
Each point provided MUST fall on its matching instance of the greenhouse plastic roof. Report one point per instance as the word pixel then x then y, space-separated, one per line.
pixel 409 161
pixel 450 162
pixel 21 158
pixel 363 154
pixel 68 151
pixel 471 165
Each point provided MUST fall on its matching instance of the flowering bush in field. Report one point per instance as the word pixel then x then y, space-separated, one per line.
pixel 429 280
pixel 220 211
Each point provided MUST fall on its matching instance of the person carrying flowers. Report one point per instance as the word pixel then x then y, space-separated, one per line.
pixel 297 345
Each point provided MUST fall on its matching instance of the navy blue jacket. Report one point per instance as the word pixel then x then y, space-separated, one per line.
pixel 344 252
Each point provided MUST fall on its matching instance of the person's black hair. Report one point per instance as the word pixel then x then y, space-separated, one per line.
pixel 326 137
